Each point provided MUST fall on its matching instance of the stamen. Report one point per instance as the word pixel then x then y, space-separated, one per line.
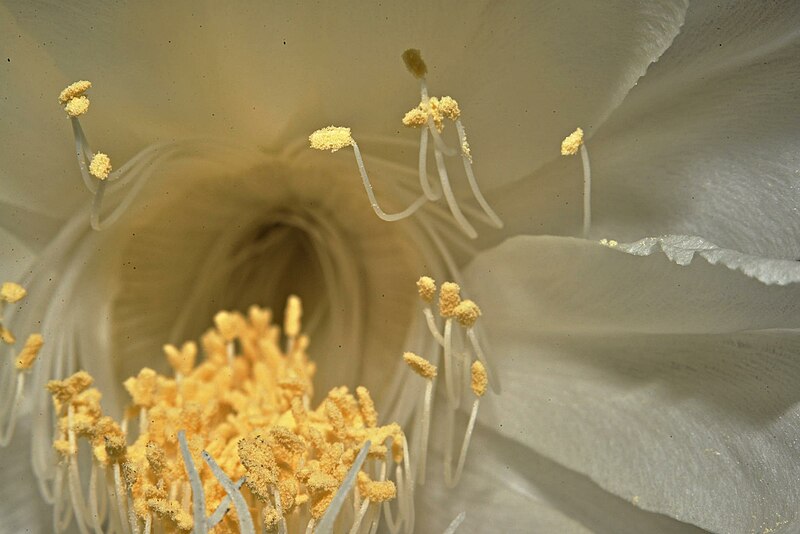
pixel 466 158
pixel 334 138
pixel 569 147
pixel 73 90
pixel 426 370
pixel 478 383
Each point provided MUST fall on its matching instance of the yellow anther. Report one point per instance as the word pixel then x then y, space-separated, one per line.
pixel 466 313
pixel 420 365
pixel 479 379
pixel 73 90
pixel 262 470
pixel 29 352
pixel 292 316
pixel 182 361
pixel 416 117
pixel 448 107
pixel 77 106
pixel 156 457
pixel 65 390
pixel 11 292
pixel 7 336
pixel 331 138
pixel 376 491
pixel 426 287
pixel 143 388
pixel 572 143
pixel 367 407
pixel 115 448
pixel 172 512
pixel 609 243
pixel 449 298
pixel 100 167
pixel 271 519
pixel 230 325
pixel 414 63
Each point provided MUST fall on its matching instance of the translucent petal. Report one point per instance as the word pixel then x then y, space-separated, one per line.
pixel 698 426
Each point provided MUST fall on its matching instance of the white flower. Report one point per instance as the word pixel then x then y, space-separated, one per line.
pixel 637 395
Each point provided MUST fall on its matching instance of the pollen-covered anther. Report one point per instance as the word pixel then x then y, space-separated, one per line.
pixel 29 352
pixel 367 407
pixel 331 138
pixel 77 106
pixel 479 379
pixel 466 313
pixel 181 360
pixel 376 491
pixel 414 63
pixel 420 365
pixel 449 298
pixel 64 391
pixel 293 316
pixel 143 388
pixel 12 292
pixel 74 90
pixel 610 243
pixel 426 287
pixel 100 167
pixel 572 143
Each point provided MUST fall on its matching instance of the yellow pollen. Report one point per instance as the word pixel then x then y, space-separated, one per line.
pixel 414 63
pixel 271 519
pixel 376 491
pixel 29 352
pixel 426 287
pixel 609 243
pixel 292 316
pixel 573 142
pixel 449 108
pixel 479 379
pixel 181 361
pixel 11 292
pixel 73 90
pixel 466 313
pixel 449 298
pixel 420 365
pixel 77 106
pixel 65 390
pixel 249 412
pixel 331 138
pixel 100 167
pixel 7 336
pixel 367 407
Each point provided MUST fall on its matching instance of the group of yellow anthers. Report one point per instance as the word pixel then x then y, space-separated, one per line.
pixel 247 406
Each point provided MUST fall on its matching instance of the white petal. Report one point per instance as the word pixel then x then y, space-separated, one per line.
pixel 21 506
pixel 266 73
pixel 682 250
pixel 706 144
pixel 507 487
pixel 571 285
pixel 697 426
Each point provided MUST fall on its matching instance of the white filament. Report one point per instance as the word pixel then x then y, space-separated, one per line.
pixel 371 194
pixel 455 523
pixel 473 184
pixel 198 496
pixel 423 167
pixel 452 479
pixel 242 511
pixel 458 215
pixel 587 191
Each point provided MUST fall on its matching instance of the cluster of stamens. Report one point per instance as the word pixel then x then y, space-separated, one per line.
pixel 571 145
pixel 13 384
pixel 465 364
pixel 231 443
pixel 429 116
